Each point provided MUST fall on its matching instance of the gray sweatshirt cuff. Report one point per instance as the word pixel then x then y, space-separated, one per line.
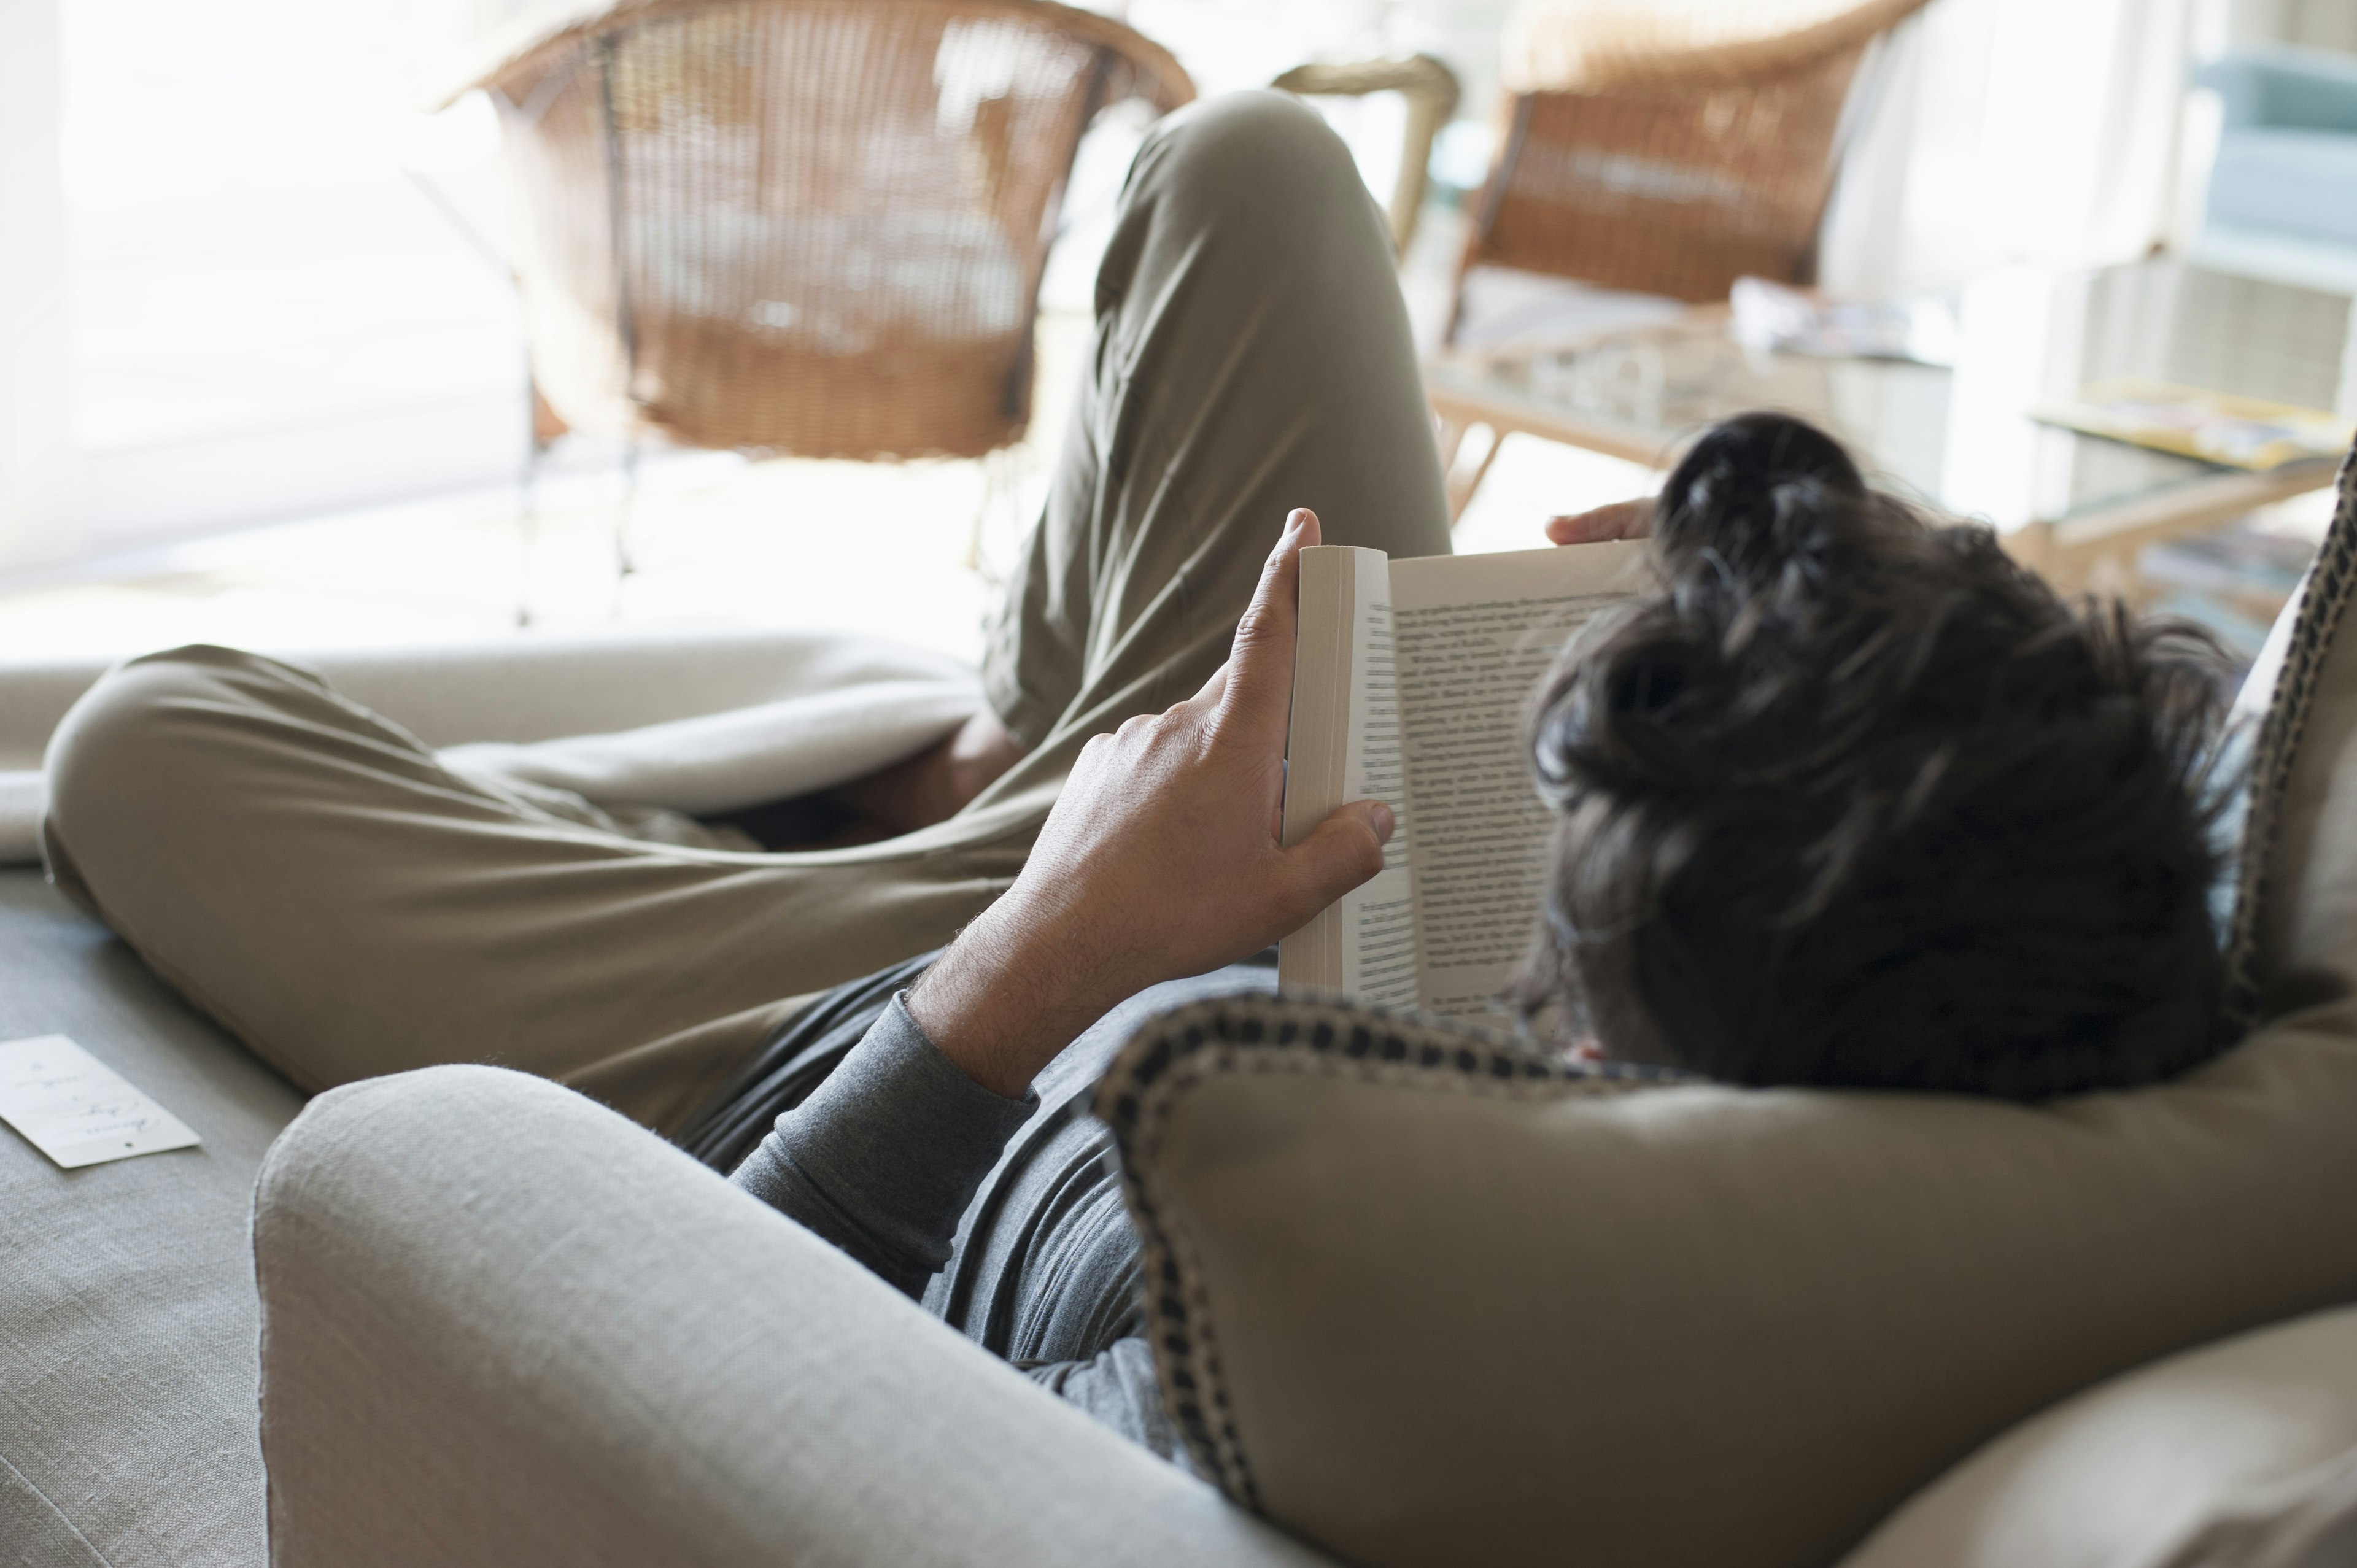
pixel 885 1155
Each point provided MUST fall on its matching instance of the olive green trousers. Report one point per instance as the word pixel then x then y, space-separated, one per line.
pixel 309 875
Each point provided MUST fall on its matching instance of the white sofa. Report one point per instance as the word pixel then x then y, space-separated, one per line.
pixel 496 1323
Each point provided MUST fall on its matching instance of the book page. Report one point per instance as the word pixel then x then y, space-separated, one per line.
pixel 1380 958
pixel 1474 634
pixel 1344 746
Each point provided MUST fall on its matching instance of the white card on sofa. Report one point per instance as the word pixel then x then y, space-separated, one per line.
pixel 78 1111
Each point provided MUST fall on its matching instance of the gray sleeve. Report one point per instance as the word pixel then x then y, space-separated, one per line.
pixel 1119 1389
pixel 883 1156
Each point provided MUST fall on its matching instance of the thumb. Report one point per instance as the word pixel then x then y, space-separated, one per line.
pixel 1339 854
pixel 1259 689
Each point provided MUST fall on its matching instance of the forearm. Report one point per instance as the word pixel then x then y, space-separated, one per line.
pixel 1007 996
pixel 1161 859
pixel 883 1156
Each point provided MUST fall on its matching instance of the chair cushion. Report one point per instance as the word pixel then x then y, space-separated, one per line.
pixel 1426 1297
pixel 128 1402
pixel 2287 182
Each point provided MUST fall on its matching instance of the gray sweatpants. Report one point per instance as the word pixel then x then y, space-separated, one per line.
pixel 309 875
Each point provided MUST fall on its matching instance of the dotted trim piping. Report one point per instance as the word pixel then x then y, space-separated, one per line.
pixel 2323 596
pixel 1302 1033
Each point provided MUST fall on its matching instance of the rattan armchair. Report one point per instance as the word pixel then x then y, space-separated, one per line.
pixel 813 227
pixel 1432 92
pixel 1671 146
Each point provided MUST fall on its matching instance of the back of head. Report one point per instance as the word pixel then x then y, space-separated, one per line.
pixel 1855 800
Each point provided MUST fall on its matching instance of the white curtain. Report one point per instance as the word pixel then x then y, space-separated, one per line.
pixel 38 465
pixel 2008 132
pixel 222 303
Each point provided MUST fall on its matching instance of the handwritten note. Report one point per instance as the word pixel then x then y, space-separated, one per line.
pixel 74 1109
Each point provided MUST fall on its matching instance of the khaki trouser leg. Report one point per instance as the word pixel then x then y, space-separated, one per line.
pixel 308 874
pixel 1252 355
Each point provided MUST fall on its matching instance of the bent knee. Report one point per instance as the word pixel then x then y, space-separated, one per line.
pixel 126 741
pixel 1256 144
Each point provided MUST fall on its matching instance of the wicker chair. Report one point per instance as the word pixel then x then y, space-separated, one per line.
pixel 813 227
pixel 1432 92
pixel 1671 146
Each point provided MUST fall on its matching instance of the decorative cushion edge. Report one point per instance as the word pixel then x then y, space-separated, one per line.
pixel 2324 595
pixel 1299 1032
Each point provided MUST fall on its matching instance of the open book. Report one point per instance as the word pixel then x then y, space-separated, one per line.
pixel 1412 683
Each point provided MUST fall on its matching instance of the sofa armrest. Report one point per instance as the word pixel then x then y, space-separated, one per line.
pixel 2305 90
pixel 521 690
pixel 501 1324
pixel 529 688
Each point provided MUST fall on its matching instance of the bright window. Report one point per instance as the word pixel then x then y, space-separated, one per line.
pixel 270 318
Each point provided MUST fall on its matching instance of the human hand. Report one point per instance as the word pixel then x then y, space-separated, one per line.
pixel 1622 520
pixel 1161 859
pixel 936 783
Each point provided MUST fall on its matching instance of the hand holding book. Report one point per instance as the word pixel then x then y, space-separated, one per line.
pixel 1161 859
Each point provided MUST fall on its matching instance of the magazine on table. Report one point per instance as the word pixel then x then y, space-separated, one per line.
pixel 2215 428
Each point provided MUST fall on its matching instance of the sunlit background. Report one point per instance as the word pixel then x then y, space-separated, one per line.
pixel 267 380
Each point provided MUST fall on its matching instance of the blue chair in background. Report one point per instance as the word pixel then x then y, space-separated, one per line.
pixel 2283 192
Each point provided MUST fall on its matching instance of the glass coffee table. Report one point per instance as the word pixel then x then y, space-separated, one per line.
pixel 2075 507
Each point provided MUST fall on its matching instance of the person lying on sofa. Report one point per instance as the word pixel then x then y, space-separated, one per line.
pixel 1851 800
pixel 320 883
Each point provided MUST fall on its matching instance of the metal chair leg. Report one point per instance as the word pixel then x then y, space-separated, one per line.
pixel 536 441
pixel 1464 478
pixel 624 565
pixel 995 482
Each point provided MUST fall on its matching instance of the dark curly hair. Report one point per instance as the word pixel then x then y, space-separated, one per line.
pixel 1854 799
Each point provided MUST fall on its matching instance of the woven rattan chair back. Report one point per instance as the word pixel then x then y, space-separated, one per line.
pixel 813 227
pixel 1667 166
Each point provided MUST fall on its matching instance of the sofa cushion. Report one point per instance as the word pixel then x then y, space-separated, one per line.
pixel 695 719
pixel 2306 1521
pixel 127 1310
pixel 2294 942
pixel 1426 1297
pixel 2210 1457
